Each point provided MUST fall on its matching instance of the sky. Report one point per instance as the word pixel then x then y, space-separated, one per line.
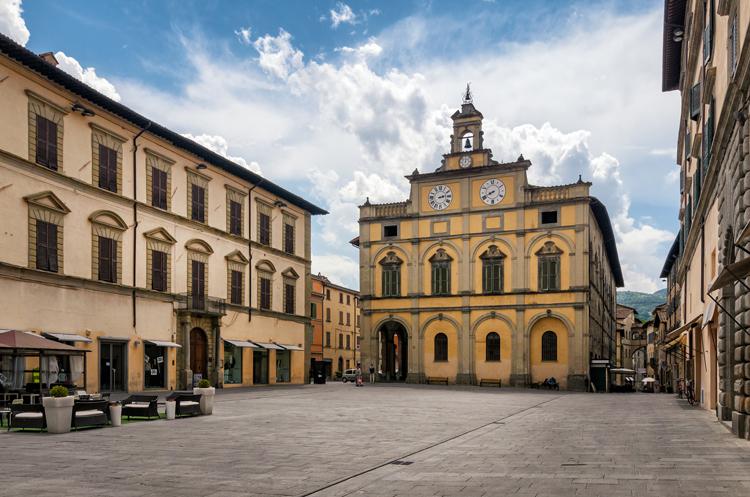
pixel 337 101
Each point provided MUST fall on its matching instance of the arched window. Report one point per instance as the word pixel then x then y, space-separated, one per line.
pixel 441 347
pixel 549 267
pixel 492 270
pixel 341 364
pixel 391 267
pixel 441 273
pixel 492 346
pixel 549 346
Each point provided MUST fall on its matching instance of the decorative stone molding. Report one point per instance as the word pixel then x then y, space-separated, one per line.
pixel 101 136
pixel 155 160
pixel 106 224
pixel 47 207
pixel 40 106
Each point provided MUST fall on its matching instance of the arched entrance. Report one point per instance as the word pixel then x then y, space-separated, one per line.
pixel 199 352
pixel 393 351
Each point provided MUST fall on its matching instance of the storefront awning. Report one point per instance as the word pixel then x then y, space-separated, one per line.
pixel 708 312
pixel 730 274
pixel 68 337
pixel 241 343
pixel 270 346
pixel 164 343
pixel 291 347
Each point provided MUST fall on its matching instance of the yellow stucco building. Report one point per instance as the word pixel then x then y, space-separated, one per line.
pixel 164 260
pixel 340 319
pixel 480 276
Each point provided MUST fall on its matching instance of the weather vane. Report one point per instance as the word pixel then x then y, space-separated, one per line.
pixel 468 99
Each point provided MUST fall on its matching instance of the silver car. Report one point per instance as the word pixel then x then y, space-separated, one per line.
pixel 349 375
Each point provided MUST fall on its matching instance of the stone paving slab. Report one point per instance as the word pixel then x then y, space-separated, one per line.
pixel 339 440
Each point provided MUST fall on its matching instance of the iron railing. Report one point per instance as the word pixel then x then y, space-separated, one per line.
pixel 201 303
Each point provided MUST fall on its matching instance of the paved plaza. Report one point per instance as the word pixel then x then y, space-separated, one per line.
pixel 338 440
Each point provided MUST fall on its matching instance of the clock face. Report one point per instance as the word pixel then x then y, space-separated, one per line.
pixel 440 197
pixel 465 161
pixel 492 191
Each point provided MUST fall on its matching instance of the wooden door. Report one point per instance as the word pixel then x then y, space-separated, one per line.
pixel 198 352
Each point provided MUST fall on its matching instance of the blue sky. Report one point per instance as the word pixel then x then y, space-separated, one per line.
pixel 337 101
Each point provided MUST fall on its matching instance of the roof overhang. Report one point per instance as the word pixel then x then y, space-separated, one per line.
pixel 674 18
pixel 610 245
pixel 674 251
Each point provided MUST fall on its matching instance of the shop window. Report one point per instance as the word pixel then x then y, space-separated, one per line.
pixel 155 361
pixel 232 364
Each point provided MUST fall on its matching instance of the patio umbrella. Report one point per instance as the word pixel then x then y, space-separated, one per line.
pixel 648 380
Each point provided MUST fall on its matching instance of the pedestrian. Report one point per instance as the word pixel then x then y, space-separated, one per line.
pixel 372 373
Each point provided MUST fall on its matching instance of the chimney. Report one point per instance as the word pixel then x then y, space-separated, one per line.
pixel 49 58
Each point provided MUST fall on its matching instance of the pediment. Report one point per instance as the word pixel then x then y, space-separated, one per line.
pixel 492 252
pixel 236 256
pixel 199 246
pixel 47 200
pixel 108 218
pixel 441 256
pixel 549 248
pixel 265 265
pixel 290 273
pixel 391 259
pixel 161 235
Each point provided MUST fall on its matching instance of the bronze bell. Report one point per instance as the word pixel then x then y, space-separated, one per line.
pixel 467 144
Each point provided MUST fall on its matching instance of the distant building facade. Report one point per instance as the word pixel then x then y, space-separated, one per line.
pixel 480 276
pixel 340 326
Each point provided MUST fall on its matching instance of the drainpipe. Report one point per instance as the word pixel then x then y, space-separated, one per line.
pixel 250 250
pixel 135 215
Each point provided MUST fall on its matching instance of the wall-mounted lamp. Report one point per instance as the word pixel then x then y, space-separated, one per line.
pixel 85 112
pixel 678 34
pixel 201 166
pixel 279 203
pixel 741 116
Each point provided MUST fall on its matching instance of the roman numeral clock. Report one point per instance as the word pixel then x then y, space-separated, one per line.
pixel 492 191
pixel 440 197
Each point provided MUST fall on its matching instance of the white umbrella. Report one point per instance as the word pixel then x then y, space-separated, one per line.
pixel 648 380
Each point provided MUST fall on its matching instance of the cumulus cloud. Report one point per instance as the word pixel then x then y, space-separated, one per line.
pixel 244 35
pixel 369 49
pixel 340 269
pixel 220 145
pixel 12 23
pixel 88 75
pixel 342 14
pixel 277 56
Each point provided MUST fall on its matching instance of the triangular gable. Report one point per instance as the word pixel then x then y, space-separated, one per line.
pixel 161 235
pixel 236 256
pixel 47 200
pixel 290 273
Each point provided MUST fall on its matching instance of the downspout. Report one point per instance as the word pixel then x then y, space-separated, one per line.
pixel 250 250
pixel 135 215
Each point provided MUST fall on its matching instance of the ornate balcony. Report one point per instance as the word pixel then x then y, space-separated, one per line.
pixel 201 304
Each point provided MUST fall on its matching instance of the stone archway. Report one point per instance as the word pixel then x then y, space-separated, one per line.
pixel 393 351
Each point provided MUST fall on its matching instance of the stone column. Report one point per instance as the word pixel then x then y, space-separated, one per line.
pixel 520 375
pixel 186 374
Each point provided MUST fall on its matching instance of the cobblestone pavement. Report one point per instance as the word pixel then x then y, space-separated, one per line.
pixel 397 440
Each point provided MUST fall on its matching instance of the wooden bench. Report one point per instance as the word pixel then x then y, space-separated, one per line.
pixel 437 380
pixel 489 382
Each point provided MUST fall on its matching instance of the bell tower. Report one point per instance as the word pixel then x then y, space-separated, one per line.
pixel 467 141
pixel 467 126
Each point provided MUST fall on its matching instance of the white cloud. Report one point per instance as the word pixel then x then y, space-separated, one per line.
pixel 88 75
pixel 340 269
pixel 369 49
pixel 343 14
pixel 11 22
pixel 244 35
pixel 277 55
pixel 220 145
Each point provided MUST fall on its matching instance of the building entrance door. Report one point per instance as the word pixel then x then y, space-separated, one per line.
pixel 112 366
pixel 393 360
pixel 260 367
pixel 198 354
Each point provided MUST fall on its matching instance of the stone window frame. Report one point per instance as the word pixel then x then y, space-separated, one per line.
pixel 289 219
pixel 549 253
pixel 235 195
pixel 197 250
pixel 158 239
pixel 440 260
pixel 236 261
pixel 102 136
pixel 201 180
pixel 290 277
pixel 156 160
pixel 264 208
pixel 40 106
pixel 47 207
pixel 493 255
pixel 549 209
pixel 106 224
pixel 265 270
pixel 391 263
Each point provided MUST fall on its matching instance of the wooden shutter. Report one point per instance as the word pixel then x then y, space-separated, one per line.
pixel 236 295
pixel 107 259
pixel 695 102
pixel 265 293
pixel 158 271
pixel 158 188
pixel 46 246
pixel 289 298
pixel 107 168
pixel 197 211
pixel 235 217
pixel 289 238
pixel 46 142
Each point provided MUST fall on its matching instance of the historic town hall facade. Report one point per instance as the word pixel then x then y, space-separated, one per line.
pixel 480 277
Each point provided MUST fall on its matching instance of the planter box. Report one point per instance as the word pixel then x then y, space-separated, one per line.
pixel 58 411
pixel 207 399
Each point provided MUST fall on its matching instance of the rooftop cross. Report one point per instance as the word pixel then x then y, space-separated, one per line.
pixel 468 98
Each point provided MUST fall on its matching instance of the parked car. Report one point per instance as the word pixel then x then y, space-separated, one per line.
pixel 349 375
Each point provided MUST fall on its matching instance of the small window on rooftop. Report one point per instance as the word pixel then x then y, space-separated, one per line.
pixel 549 217
pixel 390 230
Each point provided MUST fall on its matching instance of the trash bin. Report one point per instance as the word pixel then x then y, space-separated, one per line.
pixel 115 414
pixel 171 405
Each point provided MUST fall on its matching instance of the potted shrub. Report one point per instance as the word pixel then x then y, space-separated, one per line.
pixel 207 392
pixel 58 409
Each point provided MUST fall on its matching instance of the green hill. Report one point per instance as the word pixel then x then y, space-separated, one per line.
pixel 644 303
